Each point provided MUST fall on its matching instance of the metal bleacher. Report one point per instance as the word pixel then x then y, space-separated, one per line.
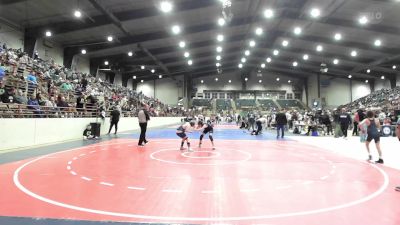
pixel 267 104
pixel 224 104
pixel 290 103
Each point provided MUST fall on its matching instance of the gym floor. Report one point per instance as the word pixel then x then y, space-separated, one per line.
pixel 246 180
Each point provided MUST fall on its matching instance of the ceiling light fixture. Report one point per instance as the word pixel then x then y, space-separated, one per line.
pixel 382 77
pixel 77 13
pixel 336 61
pixel 186 54
pixel 305 57
pixel 219 49
pixel 377 42
pixel 268 13
pixel 319 48
pixel 218 57
pixel 243 60
pixel 297 31
pixel 190 62
pixel 106 63
pixel 275 52
pixel 363 20
pixel 110 38
pixel 142 67
pixel 247 52
pixel 295 64
pixel 350 76
pixel 263 65
pixel 353 53
pixel 368 71
pixel 48 34
pixel 176 29
pixel 166 6
pixel 83 51
pixel 160 76
pixel 338 36
pixel 269 59
pixel 130 54
pixel 220 37
pixel 259 31
pixel 182 44
pixel 240 65
pixel 153 70
pixel 252 43
pixel 285 43
pixel 221 22
pixel 315 13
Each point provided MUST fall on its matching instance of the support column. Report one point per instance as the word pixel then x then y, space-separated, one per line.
pixel 319 85
pixel 306 89
pixel 69 55
pixel 29 44
pixel 392 80
pixel 351 89
pixel 244 83
pixel 371 85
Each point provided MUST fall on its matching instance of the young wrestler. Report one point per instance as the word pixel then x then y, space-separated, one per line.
pixel 181 132
pixel 207 128
pixel 372 125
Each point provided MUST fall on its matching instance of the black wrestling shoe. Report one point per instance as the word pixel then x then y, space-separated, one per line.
pixel 379 161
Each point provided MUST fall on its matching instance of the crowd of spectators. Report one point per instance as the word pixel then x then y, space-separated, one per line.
pixel 44 87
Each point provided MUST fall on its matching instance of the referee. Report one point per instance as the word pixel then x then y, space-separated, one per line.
pixel 143 117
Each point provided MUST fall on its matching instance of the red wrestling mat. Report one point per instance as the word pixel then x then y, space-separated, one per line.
pixel 242 182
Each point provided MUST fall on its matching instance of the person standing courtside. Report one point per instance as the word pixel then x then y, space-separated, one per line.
pixel 345 121
pixel 143 117
pixel 281 121
pixel 115 114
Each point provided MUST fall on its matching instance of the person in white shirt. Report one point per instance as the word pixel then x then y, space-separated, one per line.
pixel 181 132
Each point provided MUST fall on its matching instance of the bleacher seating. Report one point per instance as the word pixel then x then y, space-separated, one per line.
pixel 387 99
pixel 290 103
pixel 198 102
pixel 224 104
pixel 24 80
pixel 267 104
pixel 245 103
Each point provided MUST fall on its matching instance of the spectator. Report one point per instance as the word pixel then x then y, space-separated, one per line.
pixel 8 96
pixel 115 114
pixel 62 104
pixel 33 104
pixel 2 73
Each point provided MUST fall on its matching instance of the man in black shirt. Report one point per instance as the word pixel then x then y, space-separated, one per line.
pixel 281 121
pixel 115 114
pixel 345 121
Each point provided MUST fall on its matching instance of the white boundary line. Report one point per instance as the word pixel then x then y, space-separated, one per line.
pixel 201 164
pixel 238 218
